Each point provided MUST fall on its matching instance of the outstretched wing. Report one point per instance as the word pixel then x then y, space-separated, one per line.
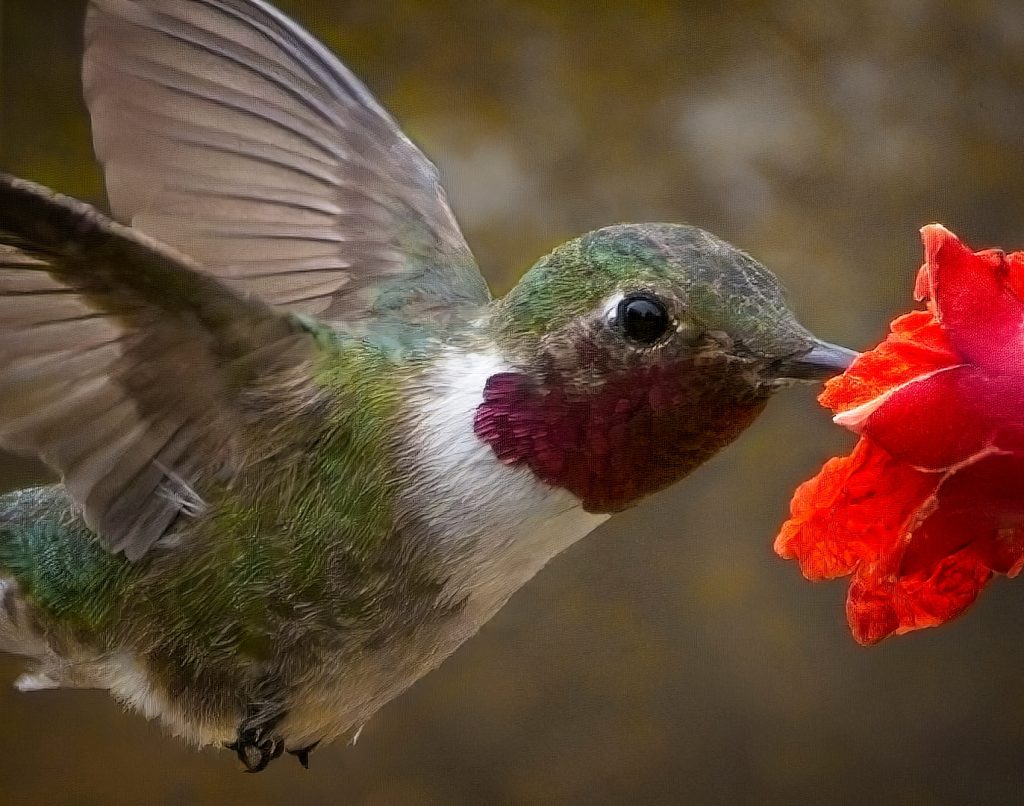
pixel 228 132
pixel 124 367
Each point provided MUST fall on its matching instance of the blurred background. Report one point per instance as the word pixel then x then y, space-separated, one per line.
pixel 670 657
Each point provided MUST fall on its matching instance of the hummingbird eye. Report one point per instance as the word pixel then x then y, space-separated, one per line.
pixel 643 318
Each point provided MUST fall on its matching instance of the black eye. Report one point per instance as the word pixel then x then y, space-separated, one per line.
pixel 643 318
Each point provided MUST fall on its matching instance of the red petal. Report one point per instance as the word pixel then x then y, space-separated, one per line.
pixel 915 346
pixel 880 604
pixel 975 527
pixel 870 611
pixel 981 506
pixel 931 502
pixel 855 509
pixel 976 302
pixel 945 418
pixel 923 285
pixel 1015 273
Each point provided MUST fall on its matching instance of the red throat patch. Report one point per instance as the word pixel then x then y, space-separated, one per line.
pixel 613 444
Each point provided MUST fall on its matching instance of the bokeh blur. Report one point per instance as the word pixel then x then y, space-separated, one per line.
pixel 670 657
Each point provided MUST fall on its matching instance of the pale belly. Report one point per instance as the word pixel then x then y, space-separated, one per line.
pixel 346 692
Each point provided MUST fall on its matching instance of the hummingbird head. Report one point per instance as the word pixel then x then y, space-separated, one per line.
pixel 635 353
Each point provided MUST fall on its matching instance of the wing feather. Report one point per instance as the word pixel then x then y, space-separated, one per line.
pixel 123 366
pixel 228 132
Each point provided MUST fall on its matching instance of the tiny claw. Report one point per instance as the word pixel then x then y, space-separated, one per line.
pixel 303 754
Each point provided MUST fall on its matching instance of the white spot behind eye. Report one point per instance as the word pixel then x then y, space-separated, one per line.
pixel 611 307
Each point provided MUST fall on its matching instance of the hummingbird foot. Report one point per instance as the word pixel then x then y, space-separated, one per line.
pixel 303 754
pixel 257 744
pixel 256 751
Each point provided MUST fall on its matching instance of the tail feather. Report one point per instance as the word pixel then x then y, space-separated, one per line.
pixel 19 629
pixel 46 549
pixel 18 633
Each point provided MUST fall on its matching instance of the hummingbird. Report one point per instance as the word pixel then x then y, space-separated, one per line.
pixel 303 454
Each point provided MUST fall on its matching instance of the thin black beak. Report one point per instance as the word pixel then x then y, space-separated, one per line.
pixel 820 363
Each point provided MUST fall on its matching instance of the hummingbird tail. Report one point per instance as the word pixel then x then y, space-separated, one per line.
pixel 39 551
pixel 18 631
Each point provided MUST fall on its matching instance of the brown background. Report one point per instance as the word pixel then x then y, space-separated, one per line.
pixel 670 657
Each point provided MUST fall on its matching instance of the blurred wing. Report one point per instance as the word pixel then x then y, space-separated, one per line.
pixel 125 368
pixel 231 134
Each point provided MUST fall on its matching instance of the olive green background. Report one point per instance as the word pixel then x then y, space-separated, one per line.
pixel 670 657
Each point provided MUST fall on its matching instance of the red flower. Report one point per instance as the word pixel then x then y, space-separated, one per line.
pixel 931 501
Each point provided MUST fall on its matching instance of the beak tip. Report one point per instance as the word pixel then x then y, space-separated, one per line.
pixel 821 362
pixel 831 356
